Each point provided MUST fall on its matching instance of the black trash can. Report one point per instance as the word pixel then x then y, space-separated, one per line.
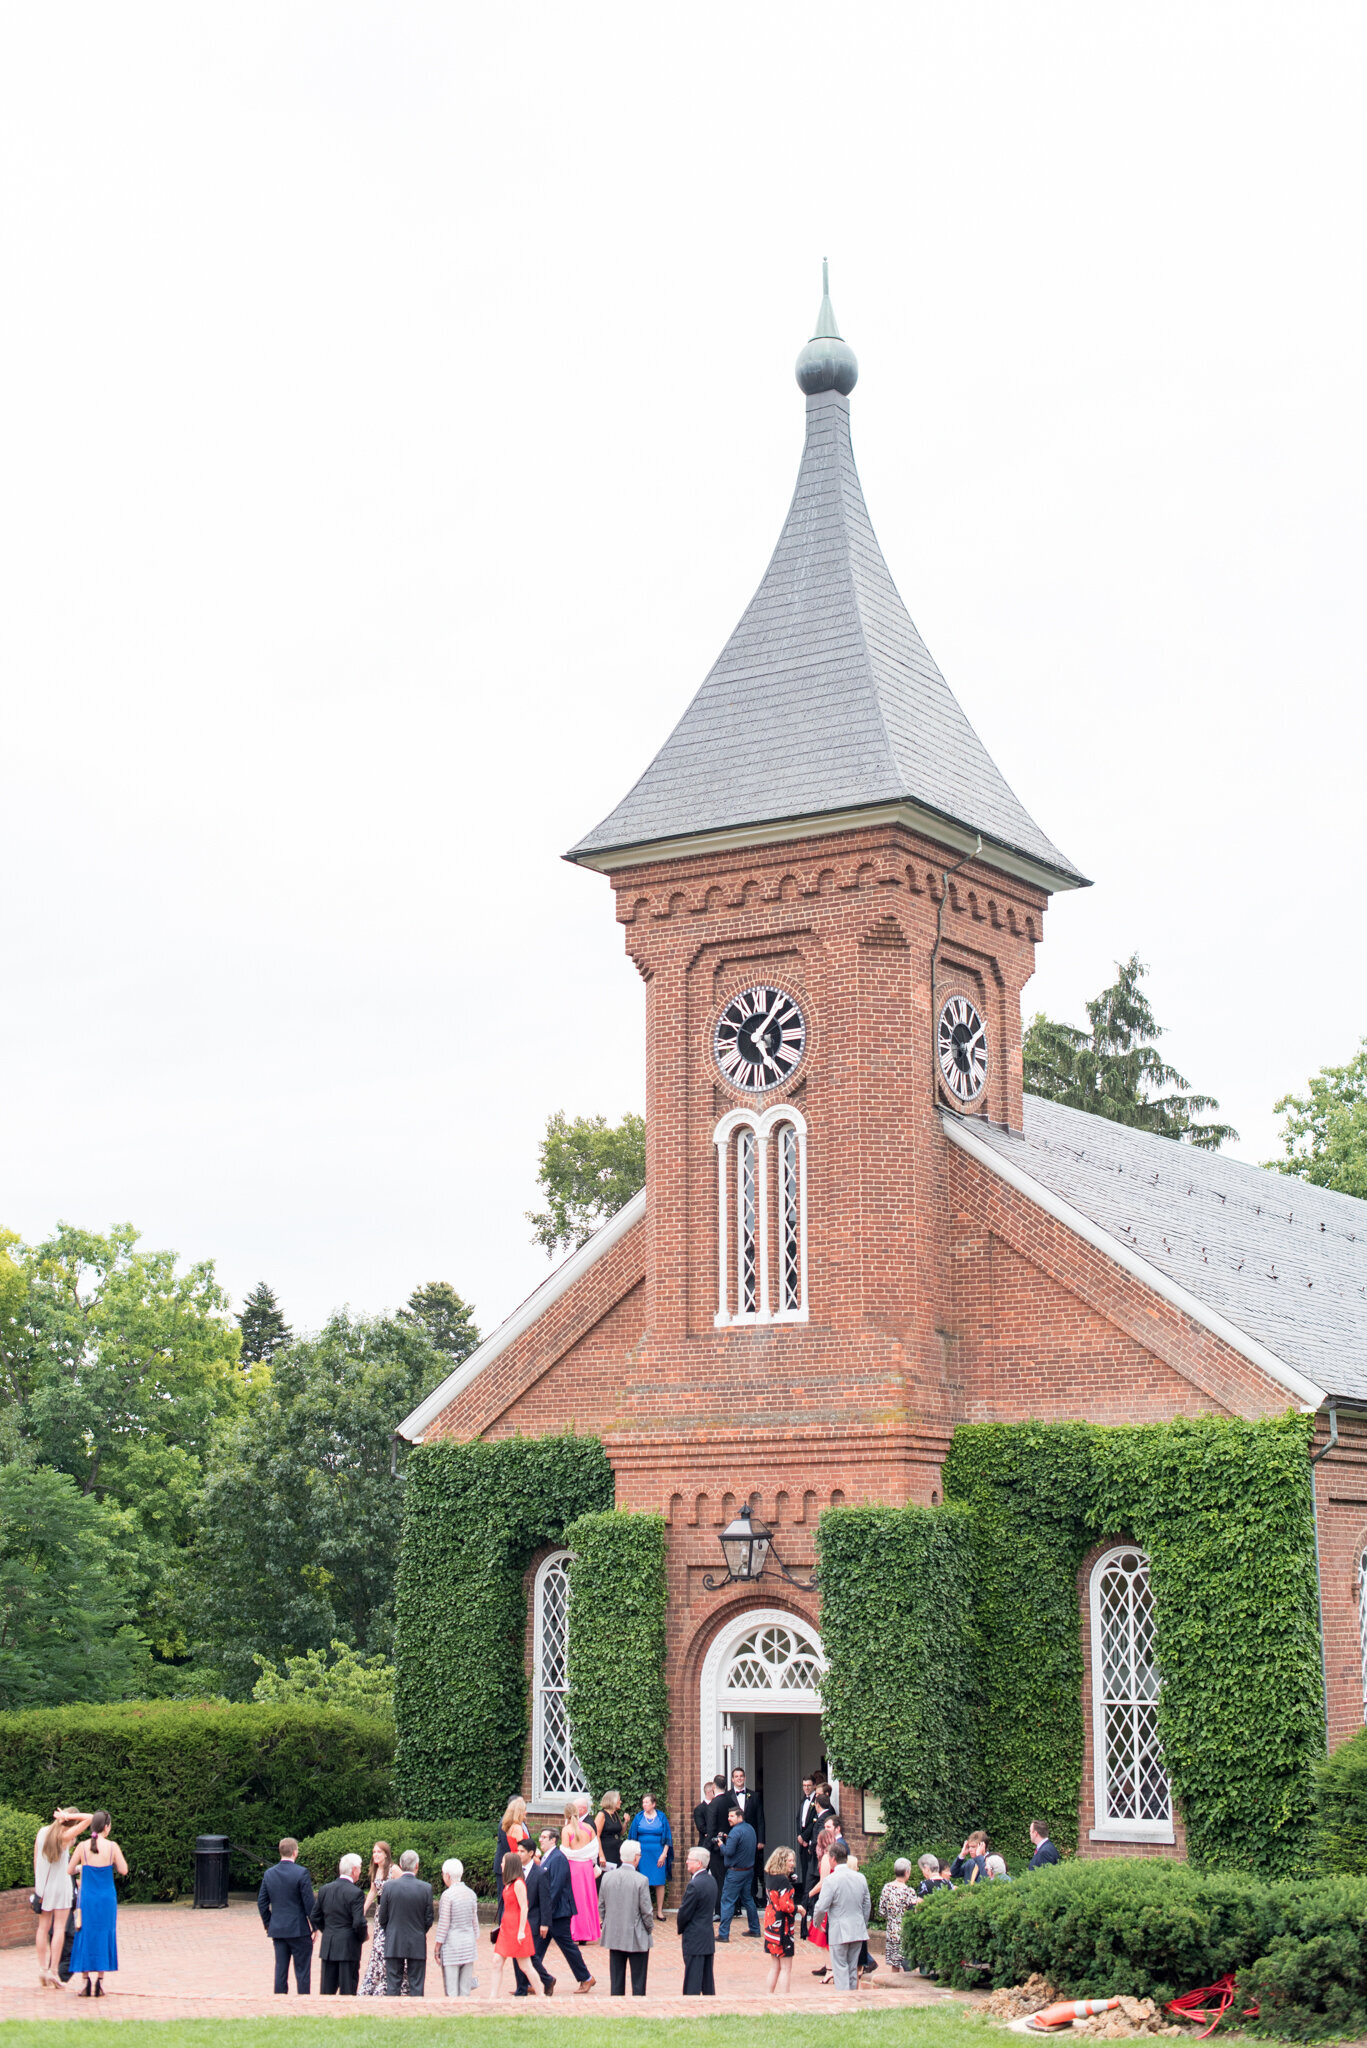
pixel 211 1870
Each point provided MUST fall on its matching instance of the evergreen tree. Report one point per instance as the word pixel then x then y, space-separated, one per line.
pixel 1112 1070
pixel 448 1321
pixel 264 1329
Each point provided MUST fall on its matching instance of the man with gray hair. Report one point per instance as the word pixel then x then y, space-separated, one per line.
pixel 624 1897
pixel 405 1912
pixel 843 1904
pixel 457 1931
pixel 339 1916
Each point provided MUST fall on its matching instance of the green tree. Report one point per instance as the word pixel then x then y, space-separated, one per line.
pixel 588 1170
pixel 69 1581
pixel 449 1321
pixel 1113 1070
pixel 1324 1133
pixel 264 1329
pixel 360 1685
pixel 300 1525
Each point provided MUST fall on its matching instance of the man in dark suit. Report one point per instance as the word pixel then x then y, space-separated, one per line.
pixel 752 1813
pixel 406 1912
pixel 806 1814
pixel 557 1909
pixel 531 1877
pixel 697 1937
pixel 1045 1852
pixel 285 1903
pixel 718 1822
pixel 700 1811
pixel 339 1916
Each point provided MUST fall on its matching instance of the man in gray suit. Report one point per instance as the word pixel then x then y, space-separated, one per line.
pixel 624 1897
pixel 843 1904
pixel 406 1912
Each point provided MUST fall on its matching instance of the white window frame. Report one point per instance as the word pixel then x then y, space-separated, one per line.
pixel 1362 1624
pixel 763 1126
pixel 1108 1828
pixel 546 1799
pixel 720 1704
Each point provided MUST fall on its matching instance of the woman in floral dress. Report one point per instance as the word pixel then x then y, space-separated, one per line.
pixel 372 1984
pixel 894 1901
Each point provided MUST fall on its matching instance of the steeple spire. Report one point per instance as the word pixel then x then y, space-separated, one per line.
pixel 827 363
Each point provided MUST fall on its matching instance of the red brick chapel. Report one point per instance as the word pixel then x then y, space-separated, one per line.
pixel 856 1231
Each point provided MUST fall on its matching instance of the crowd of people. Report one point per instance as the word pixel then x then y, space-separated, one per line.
pixel 595 1880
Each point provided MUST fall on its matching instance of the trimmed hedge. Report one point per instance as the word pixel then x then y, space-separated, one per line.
pixel 1151 1929
pixel 1341 1784
pixel 1127 1926
pixel 434 1840
pixel 896 1614
pixel 169 1770
pixel 17 1834
pixel 618 1703
pixel 1223 1509
pixel 475 1514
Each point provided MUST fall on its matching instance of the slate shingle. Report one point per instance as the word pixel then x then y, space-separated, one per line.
pixel 825 698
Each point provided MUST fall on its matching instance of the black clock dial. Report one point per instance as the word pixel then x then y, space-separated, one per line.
pixel 760 1038
pixel 963 1048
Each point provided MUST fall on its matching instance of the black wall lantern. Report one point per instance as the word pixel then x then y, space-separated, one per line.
pixel 747 1544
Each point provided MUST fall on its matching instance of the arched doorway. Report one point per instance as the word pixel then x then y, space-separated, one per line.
pixel 761 1709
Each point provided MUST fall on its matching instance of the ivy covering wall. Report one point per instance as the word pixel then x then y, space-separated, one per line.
pixel 618 1703
pixel 896 1614
pixel 1223 1508
pixel 474 1516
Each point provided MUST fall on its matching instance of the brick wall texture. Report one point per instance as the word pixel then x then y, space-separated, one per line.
pixel 937 1294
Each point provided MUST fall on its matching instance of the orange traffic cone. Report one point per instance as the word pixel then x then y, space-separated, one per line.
pixel 1055 2017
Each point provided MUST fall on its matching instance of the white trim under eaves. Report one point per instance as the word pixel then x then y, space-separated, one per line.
pixel 535 1306
pixel 1306 1392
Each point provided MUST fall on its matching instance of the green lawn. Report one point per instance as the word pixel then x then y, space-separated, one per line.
pixel 946 2026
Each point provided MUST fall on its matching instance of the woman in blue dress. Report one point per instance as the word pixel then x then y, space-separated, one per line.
pixel 651 1829
pixel 95 1950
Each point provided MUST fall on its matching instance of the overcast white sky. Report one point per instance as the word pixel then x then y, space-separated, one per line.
pixel 398 414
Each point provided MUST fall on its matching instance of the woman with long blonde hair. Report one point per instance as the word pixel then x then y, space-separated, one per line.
pixel 512 1831
pixel 583 1853
pixel 52 1887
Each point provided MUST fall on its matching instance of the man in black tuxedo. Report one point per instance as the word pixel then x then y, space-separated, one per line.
pixel 806 1814
pixel 406 1912
pixel 718 1823
pixel 339 1916
pixel 532 1877
pixel 285 1903
pixel 752 1811
pixel 697 1937
pixel 557 1910
pixel 700 1811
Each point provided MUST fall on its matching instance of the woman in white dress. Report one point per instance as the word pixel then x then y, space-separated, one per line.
pixel 52 1883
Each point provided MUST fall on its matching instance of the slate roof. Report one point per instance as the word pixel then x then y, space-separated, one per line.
pixel 1283 1261
pixel 825 698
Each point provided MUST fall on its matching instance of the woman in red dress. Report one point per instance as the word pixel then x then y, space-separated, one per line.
pixel 514 1935
pixel 780 1912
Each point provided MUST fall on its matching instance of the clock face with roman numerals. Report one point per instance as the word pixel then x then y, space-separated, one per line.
pixel 962 1048
pixel 760 1038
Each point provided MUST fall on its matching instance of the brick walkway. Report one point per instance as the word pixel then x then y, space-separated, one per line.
pixel 180 1964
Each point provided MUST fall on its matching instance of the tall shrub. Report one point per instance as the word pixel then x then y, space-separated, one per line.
pixel 1342 1788
pixel 169 1770
pixel 17 1833
pixel 474 1516
pixel 895 1621
pixel 618 1703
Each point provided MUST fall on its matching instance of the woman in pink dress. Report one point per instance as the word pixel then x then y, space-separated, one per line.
pixel 584 1853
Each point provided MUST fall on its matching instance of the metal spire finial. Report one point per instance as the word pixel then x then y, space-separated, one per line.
pixel 828 363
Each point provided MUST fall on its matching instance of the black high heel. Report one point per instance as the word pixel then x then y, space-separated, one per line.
pixel 99 1987
pixel 86 1993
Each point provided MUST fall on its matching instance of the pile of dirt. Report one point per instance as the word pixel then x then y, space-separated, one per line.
pixel 1015 2001
pixel 1132 2016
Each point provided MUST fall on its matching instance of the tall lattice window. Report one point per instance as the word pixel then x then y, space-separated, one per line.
pixel 555 1773
pixel 1362 1625
pixel 1133 1797
pixel 762 1216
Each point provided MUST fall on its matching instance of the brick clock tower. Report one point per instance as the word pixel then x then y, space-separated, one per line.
pixel 856 1232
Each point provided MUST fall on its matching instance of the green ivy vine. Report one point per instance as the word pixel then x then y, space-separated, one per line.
pixel 618 1703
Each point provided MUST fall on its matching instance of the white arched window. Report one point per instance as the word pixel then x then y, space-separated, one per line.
pixel 762 1216
pixel 555 1773
pixel 1133 1798
pixel 1362 1626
